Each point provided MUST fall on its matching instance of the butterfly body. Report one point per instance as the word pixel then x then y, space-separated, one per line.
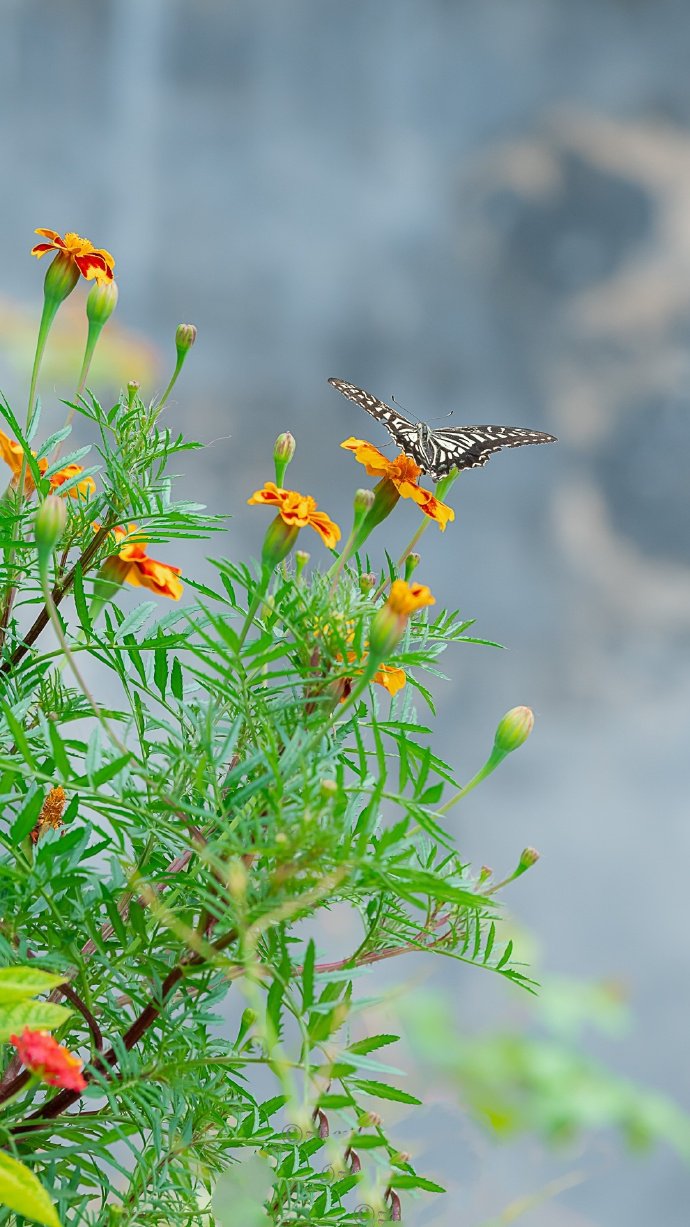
pixel 437 452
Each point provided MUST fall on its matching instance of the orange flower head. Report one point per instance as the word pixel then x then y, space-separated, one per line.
pixel 388 625
pixel 404 599
pixel 13 455
pixel 50 817
pixel 297 511
pixel 94 263
pixel 132 565
pixel 402 473
pixel 49 1060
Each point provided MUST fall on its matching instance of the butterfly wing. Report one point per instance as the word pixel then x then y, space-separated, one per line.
pixel 469 447
pixel 405 434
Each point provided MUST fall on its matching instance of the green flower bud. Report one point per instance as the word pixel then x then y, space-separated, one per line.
pixel 528 858
pixel 185 337
pixel 364 501
pixel 101 302
pixel 49 524
pixel 283 451
pixel 329 788
pixel 278 542
pixel 132 389
pixel 513 730
pixel 411 563
pixel 61 278
pixel 367 581
pixel 301 560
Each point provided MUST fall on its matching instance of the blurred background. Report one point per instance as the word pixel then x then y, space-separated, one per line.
pixel 479 207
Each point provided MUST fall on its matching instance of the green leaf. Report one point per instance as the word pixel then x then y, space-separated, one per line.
pixel 308 976
pixel 80 600
pixel 135 619
pixel 372 1043
pixel 35 1014
pixel 416 1182
pixel 160 669
pixel 23 1193
pixel 110 769
pixel 26 818
pixel 176 679
pixel 19 983
pixel 383 1091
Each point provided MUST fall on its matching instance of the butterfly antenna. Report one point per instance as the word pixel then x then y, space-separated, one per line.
pixel 408 411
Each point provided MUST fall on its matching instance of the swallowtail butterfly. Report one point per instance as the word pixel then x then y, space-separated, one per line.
pixel 438 451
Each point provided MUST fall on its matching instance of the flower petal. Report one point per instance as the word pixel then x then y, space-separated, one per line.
pixel 325 527
pixel 376 464
pixel 50 234
pixel 391 678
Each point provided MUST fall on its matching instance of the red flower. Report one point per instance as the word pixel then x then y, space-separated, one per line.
pixel 92 262
pixel 45 1057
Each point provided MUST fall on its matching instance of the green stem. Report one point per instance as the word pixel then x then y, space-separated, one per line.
pixel 490 765
pixel 178 367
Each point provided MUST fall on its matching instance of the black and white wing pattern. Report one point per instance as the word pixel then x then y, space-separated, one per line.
pixel 406 434
pixel 437 452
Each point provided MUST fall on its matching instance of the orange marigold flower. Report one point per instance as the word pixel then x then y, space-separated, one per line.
pixel 92 262
pixel 404 599
pixel 13 455
pixel 297 511
pixel 391 678
pixel 44 1056
pixel 50 817
pixel 402 473
pixel 132 565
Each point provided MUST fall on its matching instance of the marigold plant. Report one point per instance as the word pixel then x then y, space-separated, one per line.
pixel 190 783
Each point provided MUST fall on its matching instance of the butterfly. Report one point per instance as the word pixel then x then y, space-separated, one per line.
pixel 438 451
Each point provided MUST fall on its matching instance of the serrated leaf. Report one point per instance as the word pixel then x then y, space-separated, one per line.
pixel 308 976
pixel 35 1014
pixel 19 983
pixel 372 1043
pixel 176 679
pixel 23 1193
pixel 406 1181
pixel 381 1090
pixel 80 600
pixel 160 669
pixel 135 619
pixel 27 817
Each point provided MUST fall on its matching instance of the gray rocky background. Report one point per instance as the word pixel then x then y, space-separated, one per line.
pixel 479 205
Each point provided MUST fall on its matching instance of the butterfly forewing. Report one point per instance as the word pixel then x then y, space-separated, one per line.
pixel 437 452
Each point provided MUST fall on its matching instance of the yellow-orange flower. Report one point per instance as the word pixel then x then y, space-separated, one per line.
pixel 391 678
pixel 404 599
pixel 297 511
pixel 92 262
pixel 50 817
pixel 13 455
pixel 402 473
pixel 132 565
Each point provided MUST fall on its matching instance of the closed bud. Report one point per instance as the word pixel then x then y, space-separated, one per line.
pixel 237 878
pixel 367 581
pixel 132 390
pixel 283 451
pixel 513 730
pixel 329 788
pixel 484 874
pixel 364 501
pixel 49 523
pixel 185 337
pixel 411 563
pixel 529 857
pixel 101 302
pixel 61 278
pixel 301 560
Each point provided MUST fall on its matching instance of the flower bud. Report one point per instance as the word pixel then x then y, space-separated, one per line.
pixel 301 560
pixel 364 501
pixel 61 278
pixel 278 542
pixel 513 730
pixel 411 563
pixel 132 389
pixel 49 524
pixel 528 857
pixel 329 789
pixel 367 581
pixel 101 302
pixel 283 451
pixel 185 337
pixel 237 879
pixel 388 625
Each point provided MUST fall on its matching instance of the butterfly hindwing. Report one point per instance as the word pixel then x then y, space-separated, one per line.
pixel 437 452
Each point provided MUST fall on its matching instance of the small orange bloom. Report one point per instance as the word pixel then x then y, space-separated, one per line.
pixel 50 817
pixel 297 511
pixel 11 452
pixel 391 678
pixel 402 473
pixel 132 565
pixel 44 1056
pixel 404 599
pixel 92 262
